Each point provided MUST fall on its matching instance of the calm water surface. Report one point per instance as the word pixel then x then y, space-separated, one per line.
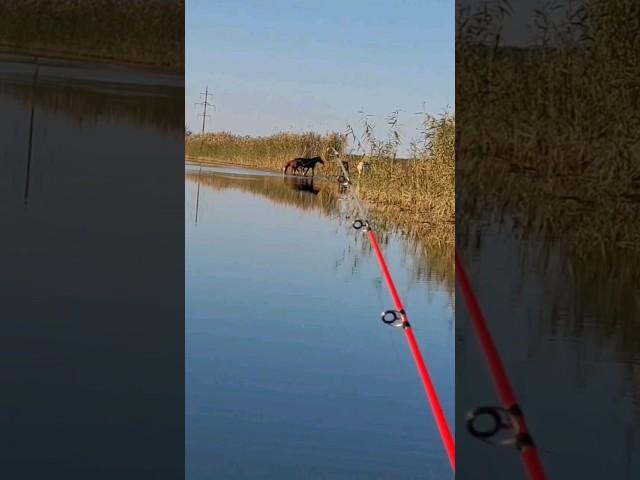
pixel 86 235
pixel 290 374
pixel 570 340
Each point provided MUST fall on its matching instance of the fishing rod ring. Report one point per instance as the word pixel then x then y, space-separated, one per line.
pixel 361 224
pixel 344 180
pixel 392 317
pixel 502 420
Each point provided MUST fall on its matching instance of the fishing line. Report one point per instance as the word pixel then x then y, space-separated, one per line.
pixel 397 317
pixel 355 210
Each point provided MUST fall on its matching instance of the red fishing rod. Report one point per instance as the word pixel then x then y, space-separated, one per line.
pixel 398 318
pixel 506 420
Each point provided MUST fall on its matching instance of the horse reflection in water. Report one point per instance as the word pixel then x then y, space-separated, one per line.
pixel 301 184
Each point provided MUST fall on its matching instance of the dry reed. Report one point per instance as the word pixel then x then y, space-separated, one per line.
pixel 149 32
pixel 418 192
pixel 550 134
pixel 265 152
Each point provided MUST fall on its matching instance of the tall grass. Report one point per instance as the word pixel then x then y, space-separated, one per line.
pixel 550 134
pixel 269 152
pixel 141 31
pixel 419 191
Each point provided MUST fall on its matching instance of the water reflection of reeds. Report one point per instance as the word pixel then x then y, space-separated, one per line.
pixel 432 263
pixel 591 299
pixel 156 107
pixel 549 140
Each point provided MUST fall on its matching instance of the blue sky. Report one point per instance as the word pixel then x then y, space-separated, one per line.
pixel 285 65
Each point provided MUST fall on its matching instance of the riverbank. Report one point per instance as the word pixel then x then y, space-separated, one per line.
pixel 412 211
pixel 70 58
pixel 416 195
pixel 142 33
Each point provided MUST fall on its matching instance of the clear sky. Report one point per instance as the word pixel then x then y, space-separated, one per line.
pixel 286 65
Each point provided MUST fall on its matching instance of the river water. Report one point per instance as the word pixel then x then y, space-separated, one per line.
pixel 87 234
pixel 289 371
pixel 569 338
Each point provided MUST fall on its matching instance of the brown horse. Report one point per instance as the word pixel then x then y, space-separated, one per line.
pixel 294 165
pixel 310 164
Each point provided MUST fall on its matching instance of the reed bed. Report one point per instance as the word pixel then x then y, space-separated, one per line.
pixel 149 32
pixel 270 152
pixel 419 192
pixel 550 134
pixel 415 194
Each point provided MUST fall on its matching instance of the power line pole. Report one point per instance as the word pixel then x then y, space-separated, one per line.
pixel 204 116
pixel 206 104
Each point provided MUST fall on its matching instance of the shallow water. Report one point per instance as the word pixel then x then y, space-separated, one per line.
pixel 290 373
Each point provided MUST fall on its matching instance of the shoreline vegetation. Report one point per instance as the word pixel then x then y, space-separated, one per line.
pixel 138 33
pixel 416 194
pixel 560 154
